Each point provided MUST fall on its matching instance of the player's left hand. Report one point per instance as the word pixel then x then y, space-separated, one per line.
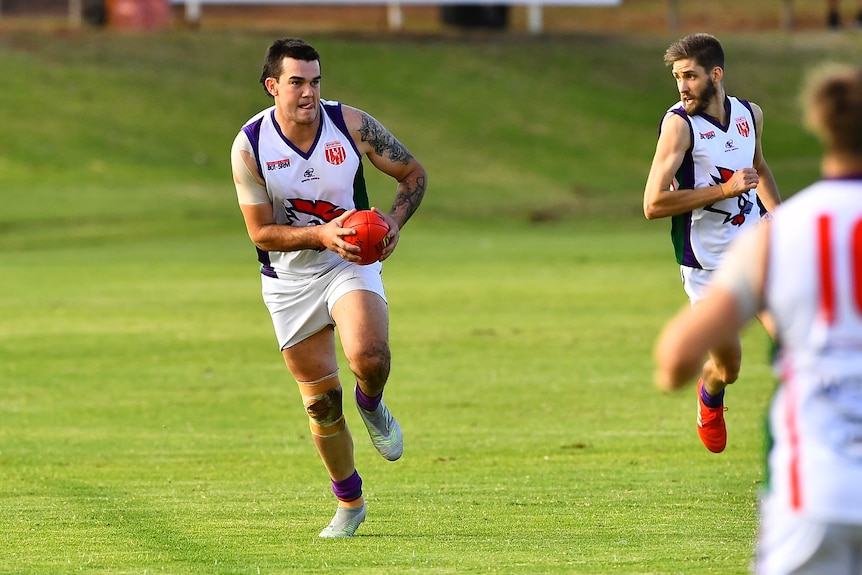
pixel 392 236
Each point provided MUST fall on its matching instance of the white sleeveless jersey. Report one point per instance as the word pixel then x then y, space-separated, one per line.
pixel 814 293
pixel 307 189
pixel 701 236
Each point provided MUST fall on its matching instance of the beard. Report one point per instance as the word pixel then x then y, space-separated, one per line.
pixel 700 102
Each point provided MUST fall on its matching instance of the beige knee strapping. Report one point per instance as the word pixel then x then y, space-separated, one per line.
pixel 322 401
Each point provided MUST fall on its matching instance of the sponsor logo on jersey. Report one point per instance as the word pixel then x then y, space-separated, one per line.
pixel 742 126
pixel 335 153
pixel 308 175
pixel 707 135
pixel 278 164
pixel 729 146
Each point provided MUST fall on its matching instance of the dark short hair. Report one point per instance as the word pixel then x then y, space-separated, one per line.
pixel 704 49
pixel 285 48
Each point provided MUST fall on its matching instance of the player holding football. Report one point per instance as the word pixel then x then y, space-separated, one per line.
pixel 805 268
pixel 297 167
pixel 709 175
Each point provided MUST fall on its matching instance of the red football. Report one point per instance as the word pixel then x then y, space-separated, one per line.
pixel 371 230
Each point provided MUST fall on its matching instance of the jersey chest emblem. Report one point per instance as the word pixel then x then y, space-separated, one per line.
pixel 335 153
pixel 742 127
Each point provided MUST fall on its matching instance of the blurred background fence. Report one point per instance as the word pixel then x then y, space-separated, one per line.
pixel 468 13
pixel 534 16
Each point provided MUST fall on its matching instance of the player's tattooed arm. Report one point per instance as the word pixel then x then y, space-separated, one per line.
pixel 391 157
pixel 411 190
pixel 383 142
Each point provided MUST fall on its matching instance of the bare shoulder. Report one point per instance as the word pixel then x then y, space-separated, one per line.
pixel 756 111
pixel 352 117
pixel 361 122
pixel 373 138
pixel 362 125
pixel 673 122
pixel 675 131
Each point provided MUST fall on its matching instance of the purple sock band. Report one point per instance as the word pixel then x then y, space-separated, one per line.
pixel 348 489
pixel 367 402
pixel 711 400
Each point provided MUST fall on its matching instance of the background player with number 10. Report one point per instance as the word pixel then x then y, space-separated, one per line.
pixel 805 268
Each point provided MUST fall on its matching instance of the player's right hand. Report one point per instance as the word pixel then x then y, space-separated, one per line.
pixel 332 238
pixel 741 181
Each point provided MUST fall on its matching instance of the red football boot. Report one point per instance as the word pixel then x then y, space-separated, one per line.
pixel 710 424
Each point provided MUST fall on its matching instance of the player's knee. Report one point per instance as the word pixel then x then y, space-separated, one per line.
pixel 724 368
pixel 372 365
pixel 729 373
pixel 325 412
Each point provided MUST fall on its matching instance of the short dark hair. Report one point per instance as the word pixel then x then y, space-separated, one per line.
pixel 704 49
pixel 294 48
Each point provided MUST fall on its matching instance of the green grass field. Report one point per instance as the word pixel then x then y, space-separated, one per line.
pixel 147 423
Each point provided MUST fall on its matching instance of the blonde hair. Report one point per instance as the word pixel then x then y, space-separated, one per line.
pixel 832 101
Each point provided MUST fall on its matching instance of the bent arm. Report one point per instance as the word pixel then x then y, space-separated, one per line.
pixel 767 188
pixel 257 211
pixel 272 237
pixel 660 200
pixel 391 157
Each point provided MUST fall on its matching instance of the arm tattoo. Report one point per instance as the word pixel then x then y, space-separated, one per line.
pixel 382 141
pixel 407 200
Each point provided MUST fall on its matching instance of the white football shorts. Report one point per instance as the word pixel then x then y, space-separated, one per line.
pixel 790 544
pixel 302 306
pixel 695 282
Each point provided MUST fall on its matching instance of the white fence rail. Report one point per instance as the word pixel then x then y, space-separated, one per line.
pixel 396 20
pixel 394 16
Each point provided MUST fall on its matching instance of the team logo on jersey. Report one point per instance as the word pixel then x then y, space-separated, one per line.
pixel 301 212
pixel 743 204
pixel 335 153
pixel 742 126
pixel 278 164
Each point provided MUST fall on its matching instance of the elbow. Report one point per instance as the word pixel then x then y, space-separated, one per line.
pixel 652 206
pixel 651 213
pixel 676 363
pixel 254 235
pixel 670 378
pixel 262 247
pixel 417 179
pixel 261 242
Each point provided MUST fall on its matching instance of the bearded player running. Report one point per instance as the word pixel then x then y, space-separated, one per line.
pixel 709 175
